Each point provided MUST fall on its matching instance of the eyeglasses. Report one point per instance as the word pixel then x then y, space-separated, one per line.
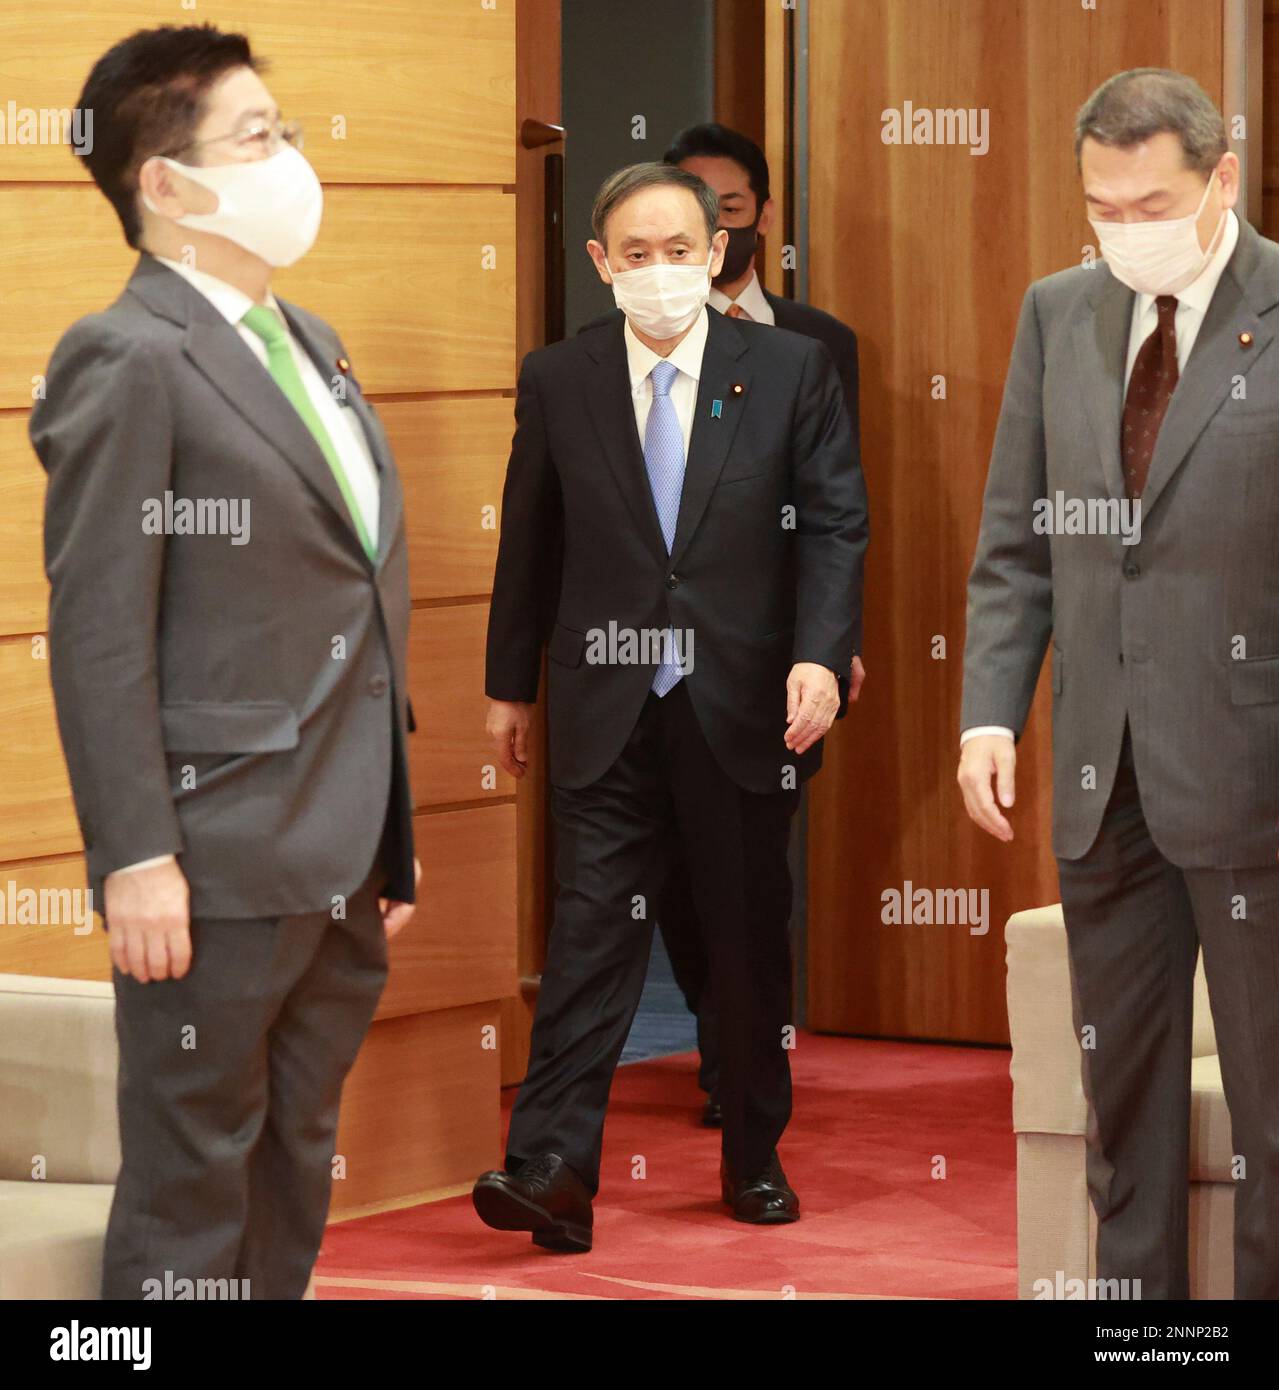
pixel 264 136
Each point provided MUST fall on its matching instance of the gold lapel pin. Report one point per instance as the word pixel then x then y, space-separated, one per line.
pixel 1245 340
pixel 737 388
pixel 343 365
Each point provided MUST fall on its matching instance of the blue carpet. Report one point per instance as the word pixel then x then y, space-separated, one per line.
pixel 663 1024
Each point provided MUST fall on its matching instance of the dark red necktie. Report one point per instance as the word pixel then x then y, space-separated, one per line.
pixel 1150 388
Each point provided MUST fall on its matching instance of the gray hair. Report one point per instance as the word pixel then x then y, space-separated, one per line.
pixel 619 186
pixel 1132 106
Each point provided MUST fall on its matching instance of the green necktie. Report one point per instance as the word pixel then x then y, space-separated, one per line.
pixel 279 355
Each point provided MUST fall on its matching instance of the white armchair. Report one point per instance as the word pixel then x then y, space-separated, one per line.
pixel 58 1067
pixel 1056 1226
pixel 57 1113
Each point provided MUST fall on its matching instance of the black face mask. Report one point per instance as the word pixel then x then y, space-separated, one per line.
pixel 738 254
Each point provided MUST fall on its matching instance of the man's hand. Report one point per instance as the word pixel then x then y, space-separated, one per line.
pixel 856 677
pixel 980 759
pixel 148 920
pixel 507 726
pixel 812 701
pixel 396 916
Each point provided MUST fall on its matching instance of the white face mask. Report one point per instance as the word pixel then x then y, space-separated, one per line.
pixel 662 300
pixel 269 206
pixel 1156 257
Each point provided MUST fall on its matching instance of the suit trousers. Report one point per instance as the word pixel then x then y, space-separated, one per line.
pixel 230 1080
pixel 614 843
pixel 686 948
pixel 1134 926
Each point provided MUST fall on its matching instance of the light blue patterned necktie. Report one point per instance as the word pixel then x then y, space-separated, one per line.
pixel 664 460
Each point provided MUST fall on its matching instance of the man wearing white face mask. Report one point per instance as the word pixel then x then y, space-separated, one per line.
pixel 242 795
pixel 681 527
pixel 1149 383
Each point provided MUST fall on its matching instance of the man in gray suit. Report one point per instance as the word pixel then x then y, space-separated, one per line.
pixel 229 607
pixel 1130 518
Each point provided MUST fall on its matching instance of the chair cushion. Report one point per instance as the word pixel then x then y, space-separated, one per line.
pixel 58 1066
pixel 51 1237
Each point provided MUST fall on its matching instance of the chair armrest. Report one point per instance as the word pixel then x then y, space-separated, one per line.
pixel 1048 1094
pixel 58 1069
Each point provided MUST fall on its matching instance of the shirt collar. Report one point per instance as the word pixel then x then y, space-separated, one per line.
pixel 751 300
pixel 687 357
pixel 1198 294
pixel 230 302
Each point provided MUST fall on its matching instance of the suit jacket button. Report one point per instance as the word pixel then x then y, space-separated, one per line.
pixel 378 685
pixel 1132 569
pixel 673 581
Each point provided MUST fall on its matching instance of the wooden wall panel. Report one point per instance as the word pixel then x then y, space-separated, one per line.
pixel 419 1108
pixel 42 294
pixel 776 23
pixel 452 460
pixel 424 316
pixel 538 59
pixel 740 47
pixel 460 946
pixel 57 944
pixel 24 592
pixel 389 91
pixel 450 752
pixel 926 251
pixel 424 313
pixel 36 815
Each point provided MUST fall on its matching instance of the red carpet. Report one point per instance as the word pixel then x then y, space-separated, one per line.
pixel 902 1154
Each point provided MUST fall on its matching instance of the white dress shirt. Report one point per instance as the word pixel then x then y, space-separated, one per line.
pixel 687 357
pixel 342 424
pixel 750 301
pixel 1192 306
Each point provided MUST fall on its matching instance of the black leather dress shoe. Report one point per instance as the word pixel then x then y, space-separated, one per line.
pixel 764 1200
pixel 713 1113
pixel 546 1197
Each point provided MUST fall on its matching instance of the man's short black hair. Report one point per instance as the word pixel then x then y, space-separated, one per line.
pixel 710 139
pixel 145 96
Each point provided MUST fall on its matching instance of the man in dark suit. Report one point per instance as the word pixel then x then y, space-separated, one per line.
pixel 735 167
pixel 1143 393
pixel 681 521
pixel 224 541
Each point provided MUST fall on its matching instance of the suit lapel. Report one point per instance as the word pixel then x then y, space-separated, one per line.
pixel 324 353
pixel 390 510
pixel 1215 361
pixel 612 412
pixel 218 351
pixel 712 434
pixel 1101 342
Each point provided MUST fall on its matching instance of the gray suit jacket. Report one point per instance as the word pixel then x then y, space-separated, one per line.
pixel 1179 633
pixel 241 706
